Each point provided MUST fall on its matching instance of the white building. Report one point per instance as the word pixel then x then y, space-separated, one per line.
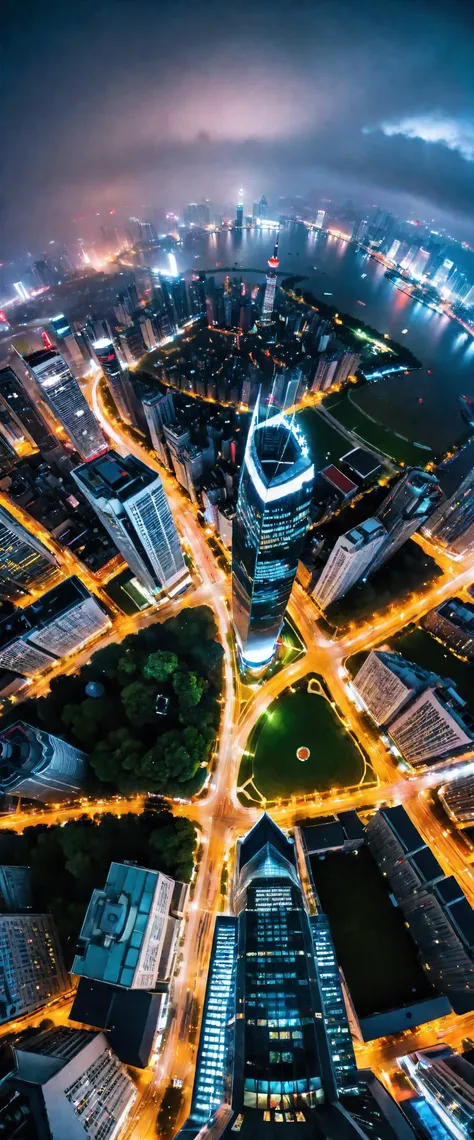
pixel 381 689
pixel 348 561
pixel 130 501
pixel 61 391
pixel 72 1077
pixel 321 214
pixel 428 729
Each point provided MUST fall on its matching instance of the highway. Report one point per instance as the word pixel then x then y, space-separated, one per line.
pixel 220 815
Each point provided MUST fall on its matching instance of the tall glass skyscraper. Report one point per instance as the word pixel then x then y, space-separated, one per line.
pixel 25 564
pixel 130 501
pixel 269 528
pixel 452 524
pixel 63 395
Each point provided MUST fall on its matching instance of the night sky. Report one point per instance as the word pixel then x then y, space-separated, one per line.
pixel 143 105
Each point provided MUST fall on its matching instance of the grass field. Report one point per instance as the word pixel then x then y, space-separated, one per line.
pixel 375 434
pixel 299 718
pixel 326 443
pixel 372 944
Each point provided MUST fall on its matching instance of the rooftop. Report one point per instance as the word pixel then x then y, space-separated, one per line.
pixel 111 476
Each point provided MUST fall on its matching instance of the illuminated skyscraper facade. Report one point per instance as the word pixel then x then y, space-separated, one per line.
pixel 63 395
pixel 452 524
pixel 270 288
pixel 269 528
pixel 25 564
pixel 15 398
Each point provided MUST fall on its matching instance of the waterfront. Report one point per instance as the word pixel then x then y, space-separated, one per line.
pixel 409 404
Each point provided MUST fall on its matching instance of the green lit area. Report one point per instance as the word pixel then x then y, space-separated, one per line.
pixel 301 718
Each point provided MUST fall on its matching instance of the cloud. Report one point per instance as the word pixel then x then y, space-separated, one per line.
pixel 456 134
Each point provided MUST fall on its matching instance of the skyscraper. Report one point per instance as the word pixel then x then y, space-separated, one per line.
pixel 129 499
pixel 452 524
pixel 269 528
pixel 321 214
pixel 63 332
pixel 445 1082
pixel 32 965
pixel 418 265
pixel 239 214
pixel 349 561
pixel 25 563
pixel 13 395
pixel 269 295
pixel 275 1045
pixel 103 350
pixel 197 295
pixel 38 765
pixel 57 624
pixel 75 1085
pixel 406 508
pixel 440 279
pixel 175 299
pixel 61 391
pixel 263 208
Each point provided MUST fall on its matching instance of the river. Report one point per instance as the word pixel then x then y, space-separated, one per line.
pixel 424 405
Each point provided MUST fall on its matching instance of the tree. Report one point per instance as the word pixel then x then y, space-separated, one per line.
pixel 139 702
pixel 160 665
pixel 90 719
pixel 189 688
pixel 173 846
pixel 129 665
pixel 118 752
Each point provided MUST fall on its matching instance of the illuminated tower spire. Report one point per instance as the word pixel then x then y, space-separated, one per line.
pixel 269 298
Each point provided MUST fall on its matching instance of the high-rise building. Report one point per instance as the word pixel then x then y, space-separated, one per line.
pixel 320 216
pixel 239 214
pixel 73 1083
pixel 393 252
pixel 422 712
pixel 270 288
pixel 440 279
pixel 452 524
pixel 128 935
pixel 445 1084
pixel 156 408
pixel 406 508
pixel 39 766
pixel 32 966
pixel 275 1045
pixel 263 208
pixel 419 263
pixel 457 798
pixel 14 396
pixel 197 295
pixel 268 533
pixel 63 395
pixel 175 299
pixel 453 623
pixel 349 561
pixel 103 351
pixel 63 333
pixel 15 889
pixel 26 565
pixel 57 624
pixel 130 501
pixel 438 914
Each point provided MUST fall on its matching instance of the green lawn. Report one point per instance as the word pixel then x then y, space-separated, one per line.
pixel 326 443
pixel 298 719
pixel 373 946
pixel 375 434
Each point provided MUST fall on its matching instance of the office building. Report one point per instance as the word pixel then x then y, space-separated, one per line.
pixel 349 561
pixel 69 345
pixel 275 1046
pixel 57 624
pixel 452 524
pixel 129 499
pixel 103 351
pixel 32 967
pixel 26 565
pixel 175 299
pixel 239 214
pixel 128 935
pixel 62 393
pixel 270 287
pixel 39 766
pixel 406 508
pixel 393 252
pixel 320 216
pixel 453 623
pixel 152 403
pixel 197 295
pixel 74 1085
pixel 132 345
pixel 439 917
pixel 15 889
pixel 262 208
pixel 445 1084
pixel 422 712
pixel 440 279
pixel 419 263
pixel 15 398
pixel 360 231
pixel 324 373
pixel 269 528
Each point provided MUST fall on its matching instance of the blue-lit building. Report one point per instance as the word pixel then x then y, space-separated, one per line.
pixel 445 1084
pixel 275 1046
pixel 269 529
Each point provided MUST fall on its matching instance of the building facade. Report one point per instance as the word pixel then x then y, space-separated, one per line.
pixel 268 532
pixel 32 970
pixel 349 560
pixel 62 393
pixel 26 564
pixel 407 506
pixel 38 765
pixel 130 501
pixel 452 524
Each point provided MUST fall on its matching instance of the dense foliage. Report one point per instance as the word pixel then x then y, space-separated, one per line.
pixel 131 747
pixel 68 862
